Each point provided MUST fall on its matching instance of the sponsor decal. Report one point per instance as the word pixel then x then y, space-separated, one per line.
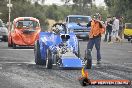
pixel 84 80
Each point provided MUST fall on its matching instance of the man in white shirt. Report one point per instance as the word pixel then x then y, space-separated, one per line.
pixel 115 29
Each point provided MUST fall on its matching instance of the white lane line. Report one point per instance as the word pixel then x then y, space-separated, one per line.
pixel 109 75
pixel 120 65
pixel 0 67
pixel 127 63
pixel 4 57
pixel 124 66
pixel 129 51
pixel 16 49
pixel 17 62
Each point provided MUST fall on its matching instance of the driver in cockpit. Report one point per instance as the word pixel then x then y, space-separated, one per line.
pixel 57 29
pixel 20 25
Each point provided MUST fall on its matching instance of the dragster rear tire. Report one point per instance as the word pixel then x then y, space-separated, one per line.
pixel 48 59
pixel 88 58
pixel 89 64
pixel 37 54
pixel 78 50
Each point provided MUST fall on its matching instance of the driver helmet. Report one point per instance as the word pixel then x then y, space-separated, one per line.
pixel 57 29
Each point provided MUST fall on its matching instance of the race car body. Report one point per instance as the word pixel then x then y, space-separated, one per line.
pixel 24 32
pixel 60 49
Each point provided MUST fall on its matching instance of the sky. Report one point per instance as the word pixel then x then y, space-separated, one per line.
pixel 49 2
pixel 100 2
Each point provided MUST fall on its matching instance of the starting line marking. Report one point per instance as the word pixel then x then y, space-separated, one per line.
pixel 129 51
pixel 0 66
pixel 16 49
pixel 109 75
pixel 17 62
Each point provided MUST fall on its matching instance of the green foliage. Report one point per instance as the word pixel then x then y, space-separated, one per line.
pixel 120 8
pixel 22 8
pixel 3 10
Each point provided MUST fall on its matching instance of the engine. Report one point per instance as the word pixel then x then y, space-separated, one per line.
pixel 63 47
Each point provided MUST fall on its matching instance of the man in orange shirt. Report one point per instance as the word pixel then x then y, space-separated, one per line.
pixel 97 28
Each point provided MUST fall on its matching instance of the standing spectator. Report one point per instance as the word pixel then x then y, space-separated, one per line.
pixel 108 29
pixel 115 29
pixel 95 35
pixel 121 27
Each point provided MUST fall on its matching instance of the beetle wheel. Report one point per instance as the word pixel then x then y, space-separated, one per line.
pixel 14 46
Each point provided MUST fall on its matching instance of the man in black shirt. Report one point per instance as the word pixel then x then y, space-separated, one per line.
pixel 108 29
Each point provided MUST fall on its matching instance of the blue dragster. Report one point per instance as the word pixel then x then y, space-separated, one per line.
pixel 58 47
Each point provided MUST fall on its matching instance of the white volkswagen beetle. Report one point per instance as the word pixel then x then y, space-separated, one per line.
pixel 3 31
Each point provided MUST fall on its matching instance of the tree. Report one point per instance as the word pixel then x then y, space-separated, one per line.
pixel 35 8
pixel 3 10
pixel 120 8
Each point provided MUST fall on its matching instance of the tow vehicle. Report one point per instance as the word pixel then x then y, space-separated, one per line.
pixel 77 24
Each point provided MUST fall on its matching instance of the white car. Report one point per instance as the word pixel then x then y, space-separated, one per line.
pixel 3 31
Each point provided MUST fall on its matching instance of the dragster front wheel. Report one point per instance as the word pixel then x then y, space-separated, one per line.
pixel 48 59
pixel 37 54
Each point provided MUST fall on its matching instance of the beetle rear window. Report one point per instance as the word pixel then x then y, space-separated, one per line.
pixel 27 23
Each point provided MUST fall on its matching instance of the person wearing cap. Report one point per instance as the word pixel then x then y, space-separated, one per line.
pixel 97 28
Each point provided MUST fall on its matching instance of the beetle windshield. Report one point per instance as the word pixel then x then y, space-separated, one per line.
pixel 129 26
pixel 81 20
pixel 27 23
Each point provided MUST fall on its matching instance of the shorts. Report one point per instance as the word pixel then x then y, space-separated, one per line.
pixel 115 33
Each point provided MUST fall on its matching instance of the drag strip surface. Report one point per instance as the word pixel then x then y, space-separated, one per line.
pixel 18 70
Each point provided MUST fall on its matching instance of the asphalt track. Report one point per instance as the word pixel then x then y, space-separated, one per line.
pixel 18 70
